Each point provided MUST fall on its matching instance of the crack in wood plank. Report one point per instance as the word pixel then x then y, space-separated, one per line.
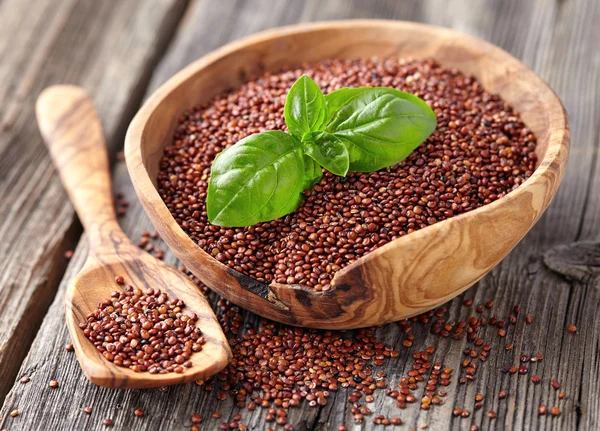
pixel 577 261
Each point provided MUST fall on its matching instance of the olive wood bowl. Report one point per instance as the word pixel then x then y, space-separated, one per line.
pixel 411 274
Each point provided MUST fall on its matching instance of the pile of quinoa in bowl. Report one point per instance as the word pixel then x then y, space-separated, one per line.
pixel 479 152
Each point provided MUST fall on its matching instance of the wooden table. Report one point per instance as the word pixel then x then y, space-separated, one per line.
pixel 123 49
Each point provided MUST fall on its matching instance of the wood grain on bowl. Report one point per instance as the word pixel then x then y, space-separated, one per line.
pixel 411 274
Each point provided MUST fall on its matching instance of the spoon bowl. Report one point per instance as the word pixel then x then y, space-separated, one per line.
pixel 411 274
pixel 95 283
pixel 72 132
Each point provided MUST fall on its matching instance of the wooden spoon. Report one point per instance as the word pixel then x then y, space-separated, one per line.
pixel 73 134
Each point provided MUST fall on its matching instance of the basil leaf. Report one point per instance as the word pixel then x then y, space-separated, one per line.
pixel 305 108
pixel 258 179
pixel 328 151
pixel 312 173
pixel 380 126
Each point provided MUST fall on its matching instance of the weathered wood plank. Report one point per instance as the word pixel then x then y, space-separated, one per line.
pixel 580 263
pixel 108 48
pixel 543 33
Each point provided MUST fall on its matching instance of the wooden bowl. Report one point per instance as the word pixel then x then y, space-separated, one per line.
pixel 411 274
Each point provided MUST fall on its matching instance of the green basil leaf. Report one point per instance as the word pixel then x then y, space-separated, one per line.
pixel 305 108
pixel 328 151
pixel 258 179
pixel 312 173
pixel 380 126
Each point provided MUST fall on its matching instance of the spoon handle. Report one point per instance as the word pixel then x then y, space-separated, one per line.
pixel 72 131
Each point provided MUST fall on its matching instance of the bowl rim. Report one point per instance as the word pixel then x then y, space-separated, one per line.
pixel 556 152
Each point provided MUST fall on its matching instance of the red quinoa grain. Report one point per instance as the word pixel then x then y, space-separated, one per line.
pixel 276 367
pixel 142 331
pixel 479 152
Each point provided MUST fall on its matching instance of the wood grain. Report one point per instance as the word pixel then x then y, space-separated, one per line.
pixel 44 42
pixel 555 38
pixel 411 274
pixel 72 131
pixel 73 134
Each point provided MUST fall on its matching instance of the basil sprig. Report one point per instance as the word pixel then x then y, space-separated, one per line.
pixel 263 176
